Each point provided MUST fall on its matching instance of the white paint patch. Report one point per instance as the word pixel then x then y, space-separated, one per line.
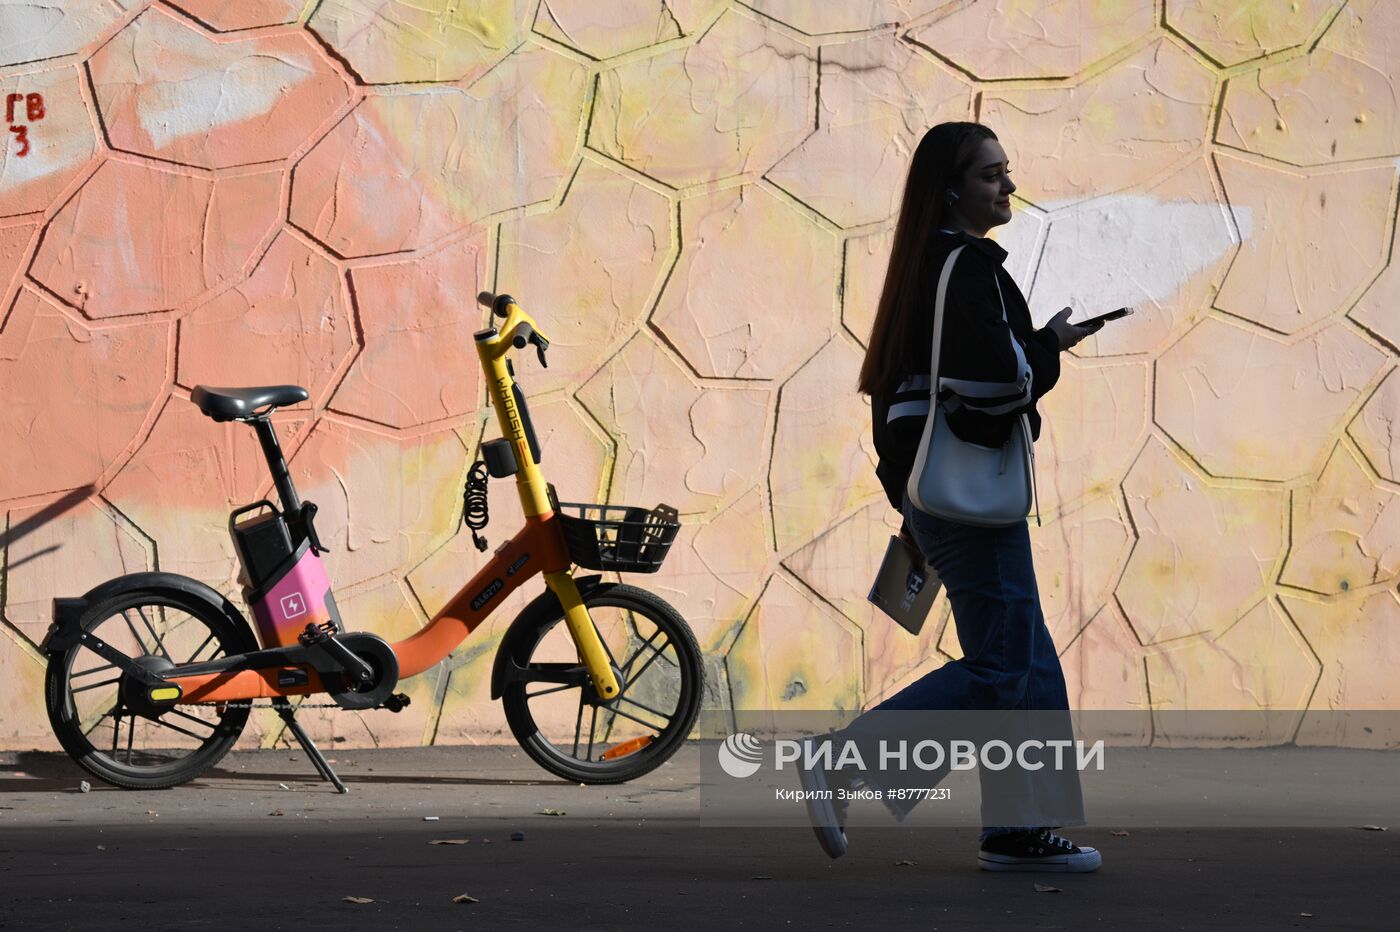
pixel 31 30
pixel 244 89
pixel 1129 250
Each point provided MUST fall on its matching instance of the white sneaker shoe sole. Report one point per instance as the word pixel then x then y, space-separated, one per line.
pixel 820 812
pixel 1088 859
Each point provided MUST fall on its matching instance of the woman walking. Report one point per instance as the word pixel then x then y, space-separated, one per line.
pixel 993 367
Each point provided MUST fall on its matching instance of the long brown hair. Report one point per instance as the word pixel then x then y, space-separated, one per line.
pixel 941 158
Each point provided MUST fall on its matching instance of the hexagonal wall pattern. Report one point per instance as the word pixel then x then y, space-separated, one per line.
pixel 1062 146
pixel 393 41
pixel 823 456
pixel 382 501
pixel 696 199
pixel 394 175
pixel 1036 39
pixel 1275 280
pixel 693 448
pixel 590 267
pixel 607 30
pixel 1219 371
pixel 794 654
pixel 1334 109
pixel 1224 673
pixel 167 90
pixel 1376 429
pixel 753 262
pixel 1345 634
pixel 876 99
pixel 733 103
pixel 65 439
pixel 46 561
pixel 417 318
pixel 1179 580
pixel 1092 425
pixel 248 14
pixel 137 239
pixel 287 324
pixel 1345 530
pixel 1232 33
pixel 33 30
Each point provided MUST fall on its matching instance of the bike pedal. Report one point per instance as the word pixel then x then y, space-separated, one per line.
pixel 315 634
pixel 397 702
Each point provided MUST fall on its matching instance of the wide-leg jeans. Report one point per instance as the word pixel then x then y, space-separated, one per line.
pixel 1009 661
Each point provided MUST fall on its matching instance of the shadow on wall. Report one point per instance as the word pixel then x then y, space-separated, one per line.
pixel 40 518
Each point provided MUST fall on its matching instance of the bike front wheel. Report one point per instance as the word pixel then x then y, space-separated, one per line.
pixel 566 727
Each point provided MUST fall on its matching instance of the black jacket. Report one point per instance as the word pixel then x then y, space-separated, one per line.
pixel 990 370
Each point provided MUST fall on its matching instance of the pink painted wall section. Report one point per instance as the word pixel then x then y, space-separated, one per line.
pixel 696 199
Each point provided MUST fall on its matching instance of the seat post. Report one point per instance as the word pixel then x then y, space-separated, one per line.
pixel 281 477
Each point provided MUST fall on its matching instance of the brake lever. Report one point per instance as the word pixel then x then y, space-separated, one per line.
pixel 541 344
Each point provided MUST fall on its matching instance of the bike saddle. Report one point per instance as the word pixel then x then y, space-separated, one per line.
pixel 228 404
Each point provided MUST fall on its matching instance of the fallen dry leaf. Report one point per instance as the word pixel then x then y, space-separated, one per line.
pixel 357 899
pixel 1046 888
pixel 552 812
pixel 905 863
pixel 276 812
pixel 464 898
pixel 1373 828
pixel 449 841
pixel 1307 915
pixel 1119 834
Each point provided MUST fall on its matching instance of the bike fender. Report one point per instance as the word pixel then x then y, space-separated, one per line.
pixel 68 612
pixel 542 608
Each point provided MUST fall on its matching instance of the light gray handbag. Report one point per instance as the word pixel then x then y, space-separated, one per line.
pixel 966 482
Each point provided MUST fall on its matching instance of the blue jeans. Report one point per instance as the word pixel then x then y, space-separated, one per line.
pixel 1009 660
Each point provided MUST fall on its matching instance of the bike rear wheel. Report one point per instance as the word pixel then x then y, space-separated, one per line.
pixel 141 747
pixel 558 717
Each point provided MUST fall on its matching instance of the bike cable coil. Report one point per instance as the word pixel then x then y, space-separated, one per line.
pixel 475 511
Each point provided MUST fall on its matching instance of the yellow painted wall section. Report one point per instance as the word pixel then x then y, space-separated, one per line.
pixel 696 199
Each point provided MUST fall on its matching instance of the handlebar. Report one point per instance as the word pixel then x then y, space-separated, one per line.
pixel 523 332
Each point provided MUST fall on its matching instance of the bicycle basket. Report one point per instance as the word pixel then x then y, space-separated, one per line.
pixel 617 537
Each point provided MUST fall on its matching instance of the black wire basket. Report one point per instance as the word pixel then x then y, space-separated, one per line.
pixel 618 537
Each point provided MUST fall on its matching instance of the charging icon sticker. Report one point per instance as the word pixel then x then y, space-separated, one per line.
pixel 293 605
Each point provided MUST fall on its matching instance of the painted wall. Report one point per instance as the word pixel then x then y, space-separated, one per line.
pixel 695 197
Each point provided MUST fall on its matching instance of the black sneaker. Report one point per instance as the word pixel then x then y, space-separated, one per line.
pixel 826 813
pixel 1039 850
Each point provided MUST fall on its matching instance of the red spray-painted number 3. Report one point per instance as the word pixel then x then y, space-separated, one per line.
pixel 33 112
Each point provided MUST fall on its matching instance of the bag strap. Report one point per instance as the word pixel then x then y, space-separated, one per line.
pixel 940 297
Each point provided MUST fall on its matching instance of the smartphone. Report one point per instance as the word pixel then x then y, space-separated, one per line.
pixel 1104 318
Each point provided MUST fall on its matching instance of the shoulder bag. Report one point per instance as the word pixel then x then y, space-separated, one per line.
pixel 966 482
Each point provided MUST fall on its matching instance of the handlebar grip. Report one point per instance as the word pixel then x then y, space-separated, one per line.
pixel 524 335
pixel 498 303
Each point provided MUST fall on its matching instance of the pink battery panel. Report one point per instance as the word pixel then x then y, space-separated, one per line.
pixel 298 599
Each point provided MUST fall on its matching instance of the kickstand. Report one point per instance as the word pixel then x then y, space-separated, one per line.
pixel 323 767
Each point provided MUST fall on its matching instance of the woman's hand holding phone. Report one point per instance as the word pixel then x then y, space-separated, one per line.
pixel 1071 333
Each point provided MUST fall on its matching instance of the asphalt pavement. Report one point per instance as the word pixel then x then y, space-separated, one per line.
pixel 424 841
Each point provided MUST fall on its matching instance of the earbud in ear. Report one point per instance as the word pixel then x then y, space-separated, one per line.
pixel 951 195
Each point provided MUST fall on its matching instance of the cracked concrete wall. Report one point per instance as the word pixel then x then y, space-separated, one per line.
pixel 695 197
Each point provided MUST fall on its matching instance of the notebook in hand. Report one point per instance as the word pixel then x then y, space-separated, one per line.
pixel 905 586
